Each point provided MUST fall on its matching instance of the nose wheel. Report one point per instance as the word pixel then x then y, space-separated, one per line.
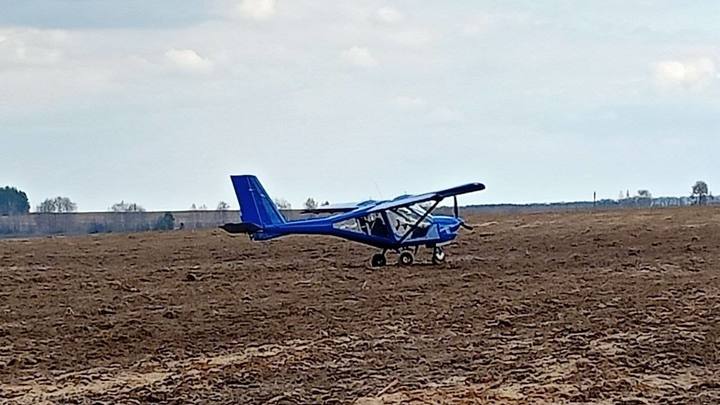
pixel 438 256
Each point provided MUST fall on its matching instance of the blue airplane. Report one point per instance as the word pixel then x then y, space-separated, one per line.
pixel 403 224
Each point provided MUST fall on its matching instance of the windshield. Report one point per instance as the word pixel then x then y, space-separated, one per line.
pixel 404 218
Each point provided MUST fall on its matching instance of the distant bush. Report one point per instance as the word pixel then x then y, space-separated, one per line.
pixel 7 230
pixel 165 223
pixel 97 227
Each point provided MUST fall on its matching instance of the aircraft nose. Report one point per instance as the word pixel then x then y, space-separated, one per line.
pixel 452 224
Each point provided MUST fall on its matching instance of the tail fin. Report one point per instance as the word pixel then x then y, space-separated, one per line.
pixel 256 207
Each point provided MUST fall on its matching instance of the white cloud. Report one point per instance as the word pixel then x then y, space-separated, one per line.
pixel 257 9
pixel 359 56
pixel 685 73
pixel 389 15
pixel 31 47
pixel 188 59
pixel 413 39
pixel 477 26
pixel 446 116
pixel 409 103
pixel 482 23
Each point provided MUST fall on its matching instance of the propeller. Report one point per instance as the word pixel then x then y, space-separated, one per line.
pixel 456 211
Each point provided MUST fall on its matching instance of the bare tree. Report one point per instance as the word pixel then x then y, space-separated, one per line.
pixel 57 205
pixel 49 205
pixel 311 204
pixel 122 206
pixel 700 192
pixel 283 204
pixel 66 205
pixel 222 211
pixel 135 208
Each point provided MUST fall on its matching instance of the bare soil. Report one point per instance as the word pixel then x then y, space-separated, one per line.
pixel 618 307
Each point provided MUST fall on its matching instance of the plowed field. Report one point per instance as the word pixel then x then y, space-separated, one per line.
pixel 605 307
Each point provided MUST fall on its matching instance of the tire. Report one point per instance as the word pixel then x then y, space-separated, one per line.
pixel 406 259
pixel 438 256
pixel 378 260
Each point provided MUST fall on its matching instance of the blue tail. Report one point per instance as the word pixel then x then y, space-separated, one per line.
pixel 256 206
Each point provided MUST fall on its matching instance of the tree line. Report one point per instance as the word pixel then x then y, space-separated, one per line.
pixel 700 195
pixel 310 204
pixel 15 202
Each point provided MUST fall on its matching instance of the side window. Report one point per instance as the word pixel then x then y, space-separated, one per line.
pixel 351 225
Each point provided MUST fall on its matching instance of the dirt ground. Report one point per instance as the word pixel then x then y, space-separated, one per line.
pixel 618 307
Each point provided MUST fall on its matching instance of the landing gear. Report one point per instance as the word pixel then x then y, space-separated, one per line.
pixel 378 260
pixel 438 256
pixel 406 258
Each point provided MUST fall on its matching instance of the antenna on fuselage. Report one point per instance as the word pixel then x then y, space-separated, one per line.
pixel 380 194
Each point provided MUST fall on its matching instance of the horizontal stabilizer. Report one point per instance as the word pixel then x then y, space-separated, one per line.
pixel 245 227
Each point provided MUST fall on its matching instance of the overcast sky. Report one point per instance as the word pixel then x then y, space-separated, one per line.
pixel 158 102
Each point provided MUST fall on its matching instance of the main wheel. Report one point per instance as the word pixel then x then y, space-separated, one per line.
pixel 378 260
pixel 438 255
pixel 406 258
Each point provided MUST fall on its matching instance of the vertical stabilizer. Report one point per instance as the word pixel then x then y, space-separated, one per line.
pixel 256 206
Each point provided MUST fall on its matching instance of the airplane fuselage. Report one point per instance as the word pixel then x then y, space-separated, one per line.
pixel 442 230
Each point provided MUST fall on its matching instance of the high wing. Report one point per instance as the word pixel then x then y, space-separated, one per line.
pixel 437 196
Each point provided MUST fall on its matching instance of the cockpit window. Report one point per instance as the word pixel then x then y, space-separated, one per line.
pixel 372 224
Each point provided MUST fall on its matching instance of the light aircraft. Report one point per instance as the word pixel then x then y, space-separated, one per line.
pixel 403 224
